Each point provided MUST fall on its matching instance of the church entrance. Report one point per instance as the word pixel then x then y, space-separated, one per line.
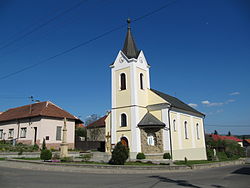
pixel 124 141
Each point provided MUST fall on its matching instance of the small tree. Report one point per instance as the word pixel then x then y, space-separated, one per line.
pixel 215 132
pixel 44 145
pixel 81 131
pixel 46 154
pixel 119 155
pixel 229 133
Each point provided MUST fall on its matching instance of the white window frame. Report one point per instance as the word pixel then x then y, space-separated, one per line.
pixel 11 133
pixel 23 132
pixel 150 140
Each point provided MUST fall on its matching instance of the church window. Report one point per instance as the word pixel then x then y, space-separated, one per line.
pixel 123 81
pixel 123 120
pixel 174 125
pixel 185 130
pixel 150 140
pixel 141 81
pixel 197 131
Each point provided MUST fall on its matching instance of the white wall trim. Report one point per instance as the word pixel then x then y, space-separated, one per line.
pixel 135 131
pixel 166 132
pixel 192 128
pixel 178 122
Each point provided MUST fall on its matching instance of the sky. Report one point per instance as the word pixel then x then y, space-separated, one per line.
pixel 199 52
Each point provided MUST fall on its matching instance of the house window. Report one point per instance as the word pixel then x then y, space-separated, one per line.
pixel 58 133
pixel 141 80
pixel 185 130
pixel 123 81
pixel 23 132
pixel 197 131
pixel 123 120
pixel 150 140
pixel 11 133
pixel 1 133
pixel 174 125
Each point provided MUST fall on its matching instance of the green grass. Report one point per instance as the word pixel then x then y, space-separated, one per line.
pixel 193 162
pixel 29 159
pixel 2 159
pixel 139 163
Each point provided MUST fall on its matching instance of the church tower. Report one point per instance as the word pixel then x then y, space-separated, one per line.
pixel 130 85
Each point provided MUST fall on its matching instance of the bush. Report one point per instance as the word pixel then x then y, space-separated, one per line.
pixel 140 156
pixel 35 147
pixel 166 156
pixel 46 154
pixel 119 155
pixel 20 151
pixel 210 154
pixel 67 159
pixel 86 157
pixel 222 156
pixel 44 145
pixel 186 160
pixel 56 156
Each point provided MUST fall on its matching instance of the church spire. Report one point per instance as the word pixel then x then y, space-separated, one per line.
pixel 129 48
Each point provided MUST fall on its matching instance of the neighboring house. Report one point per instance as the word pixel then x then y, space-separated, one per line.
pixel 147 120
pixel 246 142
pixel 96 130
pixel 220 137
pixel 32 123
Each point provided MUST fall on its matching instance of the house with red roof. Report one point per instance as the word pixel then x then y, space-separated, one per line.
pixel 96 130
pixel 32 123
pixel 220 137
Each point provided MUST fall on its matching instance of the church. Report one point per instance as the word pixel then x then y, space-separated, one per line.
pixel 147 120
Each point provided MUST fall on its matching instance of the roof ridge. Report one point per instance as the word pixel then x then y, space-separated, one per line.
pixel 23 106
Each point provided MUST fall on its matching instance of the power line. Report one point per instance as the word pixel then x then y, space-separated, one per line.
pixel 42 25
pixel 85 42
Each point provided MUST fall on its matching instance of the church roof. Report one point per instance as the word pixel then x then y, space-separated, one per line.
pixel 150 121
pixel 45 108
pixel 176 102
pixel 129 47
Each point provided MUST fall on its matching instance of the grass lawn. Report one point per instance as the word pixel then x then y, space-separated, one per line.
pixel 2 159
pixel 29 159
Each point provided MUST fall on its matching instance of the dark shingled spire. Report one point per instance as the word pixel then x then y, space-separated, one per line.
pixel 129 48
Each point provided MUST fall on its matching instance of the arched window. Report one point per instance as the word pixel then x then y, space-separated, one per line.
pixel 141 80
pixel 151 139
pixel 197 131
pixel 123 81
pixel 185 130
pixel 123 120
pixel 174 125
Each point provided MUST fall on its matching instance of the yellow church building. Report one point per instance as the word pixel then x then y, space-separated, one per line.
pixel 147 120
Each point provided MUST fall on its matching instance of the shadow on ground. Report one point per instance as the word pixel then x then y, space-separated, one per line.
pixel 244 170
pixel 183 183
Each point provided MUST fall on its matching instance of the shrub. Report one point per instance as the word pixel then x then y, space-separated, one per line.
pixel 222 156
pixel 67 159
pixel 86 157
pixel 140 156
pixel 166 156
pixel 35 147
pixel 119 155
pixel 46 154
pixel 20 151
pixel 44 145
pixel 185 160
pixel 210 154
pixel 56 156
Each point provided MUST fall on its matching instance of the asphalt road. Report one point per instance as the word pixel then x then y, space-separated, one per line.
pixel 230 176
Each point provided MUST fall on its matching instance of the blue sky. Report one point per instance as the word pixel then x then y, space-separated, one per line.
pixel 199 51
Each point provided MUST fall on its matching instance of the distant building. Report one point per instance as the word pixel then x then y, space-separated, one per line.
pixel 96 130
pixel 32 123
pixel 217 137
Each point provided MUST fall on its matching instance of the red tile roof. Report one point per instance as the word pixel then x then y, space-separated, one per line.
pixel 219 137
pixel 46 108
pixel 247 140
pixel 98 123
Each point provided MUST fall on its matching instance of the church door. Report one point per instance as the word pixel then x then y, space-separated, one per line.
pixel 124 141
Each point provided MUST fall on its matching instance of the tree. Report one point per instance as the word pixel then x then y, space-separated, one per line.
pixel 119 155
pixel 90 119
pixel 44 145
pixel 81 131
pixel 229 133
pixel 215 132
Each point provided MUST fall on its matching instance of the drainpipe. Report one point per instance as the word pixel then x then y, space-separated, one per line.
pixel 170 138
